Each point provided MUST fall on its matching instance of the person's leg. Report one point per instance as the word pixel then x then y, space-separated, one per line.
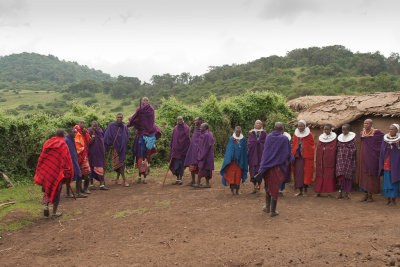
pixel 267 207
pixel 300 193
pixel 389 201
pixel 86 184
pixel 393 201
pixel 274 212
pixel 370 199
pixel 122 171
pixel 193 173
pixel 55 204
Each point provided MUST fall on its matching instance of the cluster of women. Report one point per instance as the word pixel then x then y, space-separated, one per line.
pixel 335 160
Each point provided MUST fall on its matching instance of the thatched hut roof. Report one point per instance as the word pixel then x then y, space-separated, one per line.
pixel 338 110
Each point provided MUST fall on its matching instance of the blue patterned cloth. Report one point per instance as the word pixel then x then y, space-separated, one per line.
pixel 150 142
pixel 390 189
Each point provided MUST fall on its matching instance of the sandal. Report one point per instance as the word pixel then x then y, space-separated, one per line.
pixel 46 212
pixel 103 187
pixel 57 214
pixel 144 182
pixel 126 184
pixel 81 196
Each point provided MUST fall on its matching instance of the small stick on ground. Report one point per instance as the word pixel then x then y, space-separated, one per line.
pixel 7 203
pixel 7 179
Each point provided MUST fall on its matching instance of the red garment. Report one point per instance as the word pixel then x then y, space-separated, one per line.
pixel 273 181
pixel 386 164
pixel 325 169
pixel 308 155
pixel 54 167
pixel 86 138
pixel 233 173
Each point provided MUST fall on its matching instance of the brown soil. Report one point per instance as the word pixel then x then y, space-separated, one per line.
pixel 179 225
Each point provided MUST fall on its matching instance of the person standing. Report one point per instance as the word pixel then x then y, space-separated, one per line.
pixel 235 166
pixel 82 139
pixel 368 165
pixel 97 154
pixel 54 169
pixel 326 162
pixel 116 138
pixel 205 155
pixel 273 166
pixel 70 141
pixel 303 152
pixel 180 141
pixel 255 149
pixel 191 155
pixel 389 164
pixel 346 161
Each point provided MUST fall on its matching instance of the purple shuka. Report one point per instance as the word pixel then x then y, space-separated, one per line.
pixel 205 153
pixel 276 152
pixel 180 141
pixel 144 122
pixel 74 156
pixel 394 150
pixel 372 145
pixel 346 164
pixel 191 155
pixel 120 142
pixel 255 151
pixel 96 149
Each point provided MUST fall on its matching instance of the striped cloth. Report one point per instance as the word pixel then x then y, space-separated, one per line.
pixel 150 142
pixel 54 167
pixel 82 142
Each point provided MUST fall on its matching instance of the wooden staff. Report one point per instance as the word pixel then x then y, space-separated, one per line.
pixel 133 172
pixel 165 177
pixel 109 153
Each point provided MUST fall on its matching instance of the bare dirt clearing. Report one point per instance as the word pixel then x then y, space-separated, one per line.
pixel 179 225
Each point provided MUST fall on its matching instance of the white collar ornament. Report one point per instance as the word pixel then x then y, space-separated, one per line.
pixel 391 140
pixel 287 135
pixel 238 138
pixel 324 138
pixel 346 138
pixel 258 131
pixel 305 133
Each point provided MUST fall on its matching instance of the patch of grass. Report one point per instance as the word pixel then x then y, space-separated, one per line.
pixel 76 212
pixel 16 225
pixel 141 210
pixel 123 213
pixel 164 203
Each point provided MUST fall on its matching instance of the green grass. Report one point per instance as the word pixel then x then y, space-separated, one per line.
pixel 124 213
pixel 164 203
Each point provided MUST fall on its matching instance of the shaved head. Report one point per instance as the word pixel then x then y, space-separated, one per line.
pixel 279 126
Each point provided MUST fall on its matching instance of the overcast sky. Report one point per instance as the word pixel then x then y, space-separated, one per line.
pixel 142 38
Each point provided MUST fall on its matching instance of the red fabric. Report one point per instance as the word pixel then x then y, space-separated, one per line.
pixel 273 181
pixel 233 174
pixel 54 167
pixel 386 164
pixel 142 165
pixel 308 155
pixel 86 138
pixel 325 167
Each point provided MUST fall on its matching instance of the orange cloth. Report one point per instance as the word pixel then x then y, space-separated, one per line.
pixel 386 164
pixel 233 173
pixel 83 159
pixel 308 155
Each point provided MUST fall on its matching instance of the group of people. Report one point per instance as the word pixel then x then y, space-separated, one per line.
pixel 80 156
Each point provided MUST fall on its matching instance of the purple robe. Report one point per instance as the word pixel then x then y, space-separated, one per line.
pixel 372 145
pixel 120 142
pixel 255 151
pixel 191 155
pixel 205 152
pixel 144 122
pixel 276 152
pixel 74 155
pixel 180 141
pixel 96 149
pixel 394 150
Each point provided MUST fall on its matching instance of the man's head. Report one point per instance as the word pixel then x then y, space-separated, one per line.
pixel 81 124
pixel 393 130
pixel 203 127
pixel 60 133
pixel 198 121
pixel 145 101
pixel 71 132
pixel 179 120
pixel 327 128
pixel 301 125
pixel 368 124
pixel 94 125
pixel 258 125
pixel 120 117
pixel 238 131
pixel 346 128
pixel 279 126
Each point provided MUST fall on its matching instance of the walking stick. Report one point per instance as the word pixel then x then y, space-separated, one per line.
pixel 70 189
pixel 165 177
pixel 109 153
pixel 133 172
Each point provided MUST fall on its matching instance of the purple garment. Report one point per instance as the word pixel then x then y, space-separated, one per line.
pixel 346 185
pixel 120 142
pixel 144 122
pixel 276 152
pixel 74 155
pixel 180 141
pixel 372 145
pixel 255 151
pixel 96 149
pixel 205 152
pixel 191 154
pixel 394 158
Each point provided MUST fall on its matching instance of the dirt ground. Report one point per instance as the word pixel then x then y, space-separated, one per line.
pixel 180 225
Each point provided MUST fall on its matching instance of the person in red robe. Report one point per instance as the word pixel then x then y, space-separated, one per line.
pixel 303 152
pixel 368 166
pixel 82 139
pixel 54 169
pixel 326 162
